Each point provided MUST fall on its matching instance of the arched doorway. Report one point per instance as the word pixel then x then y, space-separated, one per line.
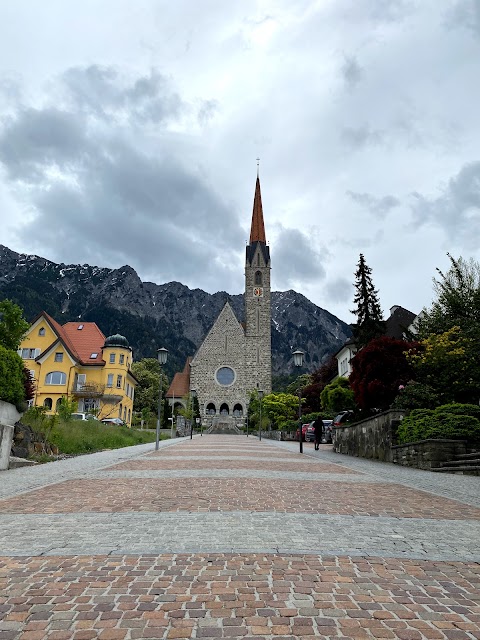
pixel 211 410
pixel 238 410
pixel 224 410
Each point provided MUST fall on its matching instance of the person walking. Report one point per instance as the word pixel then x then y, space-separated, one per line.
pixel 318 426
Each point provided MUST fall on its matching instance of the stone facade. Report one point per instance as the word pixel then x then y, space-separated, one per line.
pixel 234 360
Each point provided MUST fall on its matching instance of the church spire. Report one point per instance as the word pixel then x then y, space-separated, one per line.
pixel 257 231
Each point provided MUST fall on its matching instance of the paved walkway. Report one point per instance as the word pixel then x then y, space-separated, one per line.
pixel 229 537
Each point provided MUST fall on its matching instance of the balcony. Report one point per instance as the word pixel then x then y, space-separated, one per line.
pixel 88 390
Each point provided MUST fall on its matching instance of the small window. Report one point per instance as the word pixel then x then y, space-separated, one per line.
pixel 258 277
pixel 121 358
pixel 120 411
pixel 41 331
pixel 59 356
pixel 110 380
pixel 47 403
pixel 93 356
pixel 112 358
pixel 80 327
pixel 119 382
pixel 128 390
pixel 30 354
pixel 56 377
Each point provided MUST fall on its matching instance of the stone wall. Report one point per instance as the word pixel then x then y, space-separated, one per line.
pixel 6 436
pixel 427 454
pixel 369 438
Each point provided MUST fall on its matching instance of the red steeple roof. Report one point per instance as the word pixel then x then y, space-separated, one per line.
pixel 257 231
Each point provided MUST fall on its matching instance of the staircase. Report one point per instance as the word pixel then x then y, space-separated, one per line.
pixel 461 463
pixel 224 425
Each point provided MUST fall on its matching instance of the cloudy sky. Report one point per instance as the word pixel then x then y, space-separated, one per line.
pixel 129 132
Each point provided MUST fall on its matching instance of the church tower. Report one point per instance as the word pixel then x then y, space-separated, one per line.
pixel 258 302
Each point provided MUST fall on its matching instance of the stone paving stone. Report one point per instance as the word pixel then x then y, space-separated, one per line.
pixel 212 494
pixel 205 585
pixel 180 464
pixel 244 555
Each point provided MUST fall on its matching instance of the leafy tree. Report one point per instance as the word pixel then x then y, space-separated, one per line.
pixel 448 363
pixel 11 377
pixel 378 370
pixel 280 407
pixel 457 301
pixel 147 372
pixel 13 325
pixel 337 396
pixel 370 322
pixel 318 381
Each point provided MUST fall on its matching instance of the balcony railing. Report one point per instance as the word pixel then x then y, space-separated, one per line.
pixel 88 390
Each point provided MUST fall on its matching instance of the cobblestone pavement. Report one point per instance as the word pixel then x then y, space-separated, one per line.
pixel 229 537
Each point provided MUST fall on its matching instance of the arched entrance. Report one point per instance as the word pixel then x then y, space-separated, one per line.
pixel 238 410
pixel 211 410
pixel 224 410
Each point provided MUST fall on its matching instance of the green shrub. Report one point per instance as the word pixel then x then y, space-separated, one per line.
pixel 11 377
pixel 416 395
pixel 446 421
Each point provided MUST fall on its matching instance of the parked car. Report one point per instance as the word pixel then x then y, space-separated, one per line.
pixel 327 431
pixel 310 433
pixel 80 415
pixel 304 431
pixel 342 418
pixel 118 421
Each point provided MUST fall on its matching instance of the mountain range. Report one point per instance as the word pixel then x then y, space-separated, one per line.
pixel 153 315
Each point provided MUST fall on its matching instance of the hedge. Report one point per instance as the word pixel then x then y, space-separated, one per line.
pixel 454 420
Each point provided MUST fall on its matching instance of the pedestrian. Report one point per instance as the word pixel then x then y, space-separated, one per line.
pixel 318 426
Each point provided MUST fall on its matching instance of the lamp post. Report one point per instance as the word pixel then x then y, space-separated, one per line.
pixel 298 361
pixel 247 421
pixel 260 396
pixel 193 395
pixel 202 409
pixel 162 355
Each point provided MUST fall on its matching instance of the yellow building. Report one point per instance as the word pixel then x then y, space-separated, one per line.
pixel 77 361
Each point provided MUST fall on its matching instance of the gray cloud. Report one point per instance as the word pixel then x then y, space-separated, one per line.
pixel 352 72
pixel 339 290
pixel 109 199
pixel 380 207
pixel 35 140
pixel 296 259
pixel 457 210
pixel 466 14
pixel 361 137
pixel 104 92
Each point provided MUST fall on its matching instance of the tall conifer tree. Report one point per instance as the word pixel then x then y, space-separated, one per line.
pixel 370 322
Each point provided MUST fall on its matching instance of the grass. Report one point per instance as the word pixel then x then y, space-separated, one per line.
pixel 77 436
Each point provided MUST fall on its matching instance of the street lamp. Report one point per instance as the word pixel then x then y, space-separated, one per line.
pixel 162 355
pixel 193 395
pixel 202 409
pixel 260 396
pixel 298 361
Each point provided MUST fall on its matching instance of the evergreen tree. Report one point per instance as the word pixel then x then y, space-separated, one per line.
pixel 370 323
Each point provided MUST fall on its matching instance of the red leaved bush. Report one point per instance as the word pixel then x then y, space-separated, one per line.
pixel 378 370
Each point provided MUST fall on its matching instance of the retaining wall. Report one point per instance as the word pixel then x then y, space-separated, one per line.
pixel 370 438
pixel 427 454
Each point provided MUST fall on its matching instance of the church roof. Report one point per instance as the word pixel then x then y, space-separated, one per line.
pixel 257 231
pixel 180 386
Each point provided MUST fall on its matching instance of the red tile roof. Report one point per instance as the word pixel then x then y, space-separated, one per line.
pixel 180 386
pixel 86 341
pixel 81 343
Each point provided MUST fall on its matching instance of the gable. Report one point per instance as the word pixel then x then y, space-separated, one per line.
pixel 226 334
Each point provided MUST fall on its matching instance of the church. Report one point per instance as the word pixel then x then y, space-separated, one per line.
pixel 235 358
